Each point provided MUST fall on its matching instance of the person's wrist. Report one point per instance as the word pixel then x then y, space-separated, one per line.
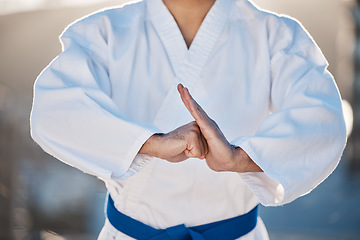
pixel 150 147
pixel 235 158
pixel 241 159
pixel 243 162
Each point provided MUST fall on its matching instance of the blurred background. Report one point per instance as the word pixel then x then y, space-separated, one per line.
pixel 42 198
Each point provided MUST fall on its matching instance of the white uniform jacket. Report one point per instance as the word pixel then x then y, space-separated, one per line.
pixel 260 76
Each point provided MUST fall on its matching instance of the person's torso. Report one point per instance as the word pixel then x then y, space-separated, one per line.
pixel 227 71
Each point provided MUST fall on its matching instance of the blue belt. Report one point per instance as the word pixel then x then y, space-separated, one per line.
pixel 227 229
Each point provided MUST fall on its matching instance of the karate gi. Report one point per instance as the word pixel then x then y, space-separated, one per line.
pixel 260 76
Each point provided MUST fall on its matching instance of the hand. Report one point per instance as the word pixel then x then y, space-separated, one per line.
pixel 221 155
pixel 178 145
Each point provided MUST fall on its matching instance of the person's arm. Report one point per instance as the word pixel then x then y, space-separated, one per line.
pixel 300 143
pixel 74 117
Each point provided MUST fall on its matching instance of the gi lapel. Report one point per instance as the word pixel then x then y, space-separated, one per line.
pixel 187 64
pixel 168 31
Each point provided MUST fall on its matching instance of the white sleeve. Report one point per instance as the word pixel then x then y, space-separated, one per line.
pixel 73 116
pixel 300 143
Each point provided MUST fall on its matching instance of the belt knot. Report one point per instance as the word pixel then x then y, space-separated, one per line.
pixel 179 232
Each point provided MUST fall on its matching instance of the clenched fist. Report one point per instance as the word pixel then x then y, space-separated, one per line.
pixel 178 145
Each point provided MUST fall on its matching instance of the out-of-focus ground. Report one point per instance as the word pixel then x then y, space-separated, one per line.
pixel 40 196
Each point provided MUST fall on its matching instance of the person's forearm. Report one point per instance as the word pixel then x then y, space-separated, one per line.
pixel 243 163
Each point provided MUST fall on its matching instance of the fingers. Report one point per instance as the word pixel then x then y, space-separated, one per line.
pixel 205 146
pixel 197 145
pixel 178 158
pixel 188 101
pixel 182 143
pixel 199 150
pixel 193 107
pixel 181 89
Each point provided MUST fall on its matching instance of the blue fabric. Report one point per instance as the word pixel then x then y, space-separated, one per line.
pixel 227 229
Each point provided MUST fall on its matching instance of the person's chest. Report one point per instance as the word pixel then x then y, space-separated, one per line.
pixel 226 69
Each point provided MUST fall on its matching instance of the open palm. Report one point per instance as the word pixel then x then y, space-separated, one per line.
pixel 221 156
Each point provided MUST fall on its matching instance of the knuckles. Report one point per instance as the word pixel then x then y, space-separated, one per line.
pixel 194 134
pixel 194 131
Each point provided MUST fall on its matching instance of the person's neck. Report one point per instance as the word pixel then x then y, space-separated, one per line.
pixel 189 15
pixel 188 5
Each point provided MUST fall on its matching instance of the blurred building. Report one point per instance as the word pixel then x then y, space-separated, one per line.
pixel 355 140
pixel 6 167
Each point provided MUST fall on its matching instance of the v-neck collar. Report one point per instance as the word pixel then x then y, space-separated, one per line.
pixel 187 63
